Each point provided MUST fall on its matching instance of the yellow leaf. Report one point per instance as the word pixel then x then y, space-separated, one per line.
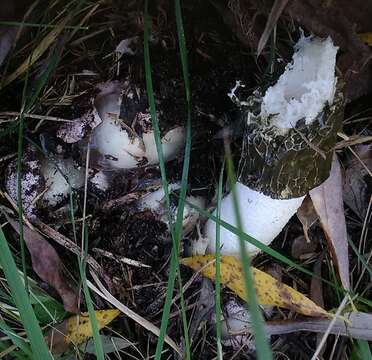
pixel 366 38
pixel 269 290
pixel 77 329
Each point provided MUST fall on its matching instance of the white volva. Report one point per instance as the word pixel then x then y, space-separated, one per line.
pixel 302 91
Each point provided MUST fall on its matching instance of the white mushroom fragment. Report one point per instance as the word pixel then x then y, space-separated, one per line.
pixel 59 176
pixel 125 138
pixel 45 182
pixel 306 86
pixel 287 149
pixel 155 201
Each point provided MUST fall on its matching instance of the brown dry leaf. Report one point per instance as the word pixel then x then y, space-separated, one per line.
pixel 328 203
pixel 77 329
pixel 307 215
pixel 316 288
pixel 48 266
pixel 269 290
pixel 303 249
pixel 356 186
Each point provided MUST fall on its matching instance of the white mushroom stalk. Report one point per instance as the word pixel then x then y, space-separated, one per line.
pixel 290 130
pixel 262 217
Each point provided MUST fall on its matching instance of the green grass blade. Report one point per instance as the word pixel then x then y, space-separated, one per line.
pixel 176 229
pixel 174 254
pixel 361 350
pixel 262 345
pixel 186 163
pixel 218 268
pixel 92 315
pixel 22 302
pixel 18 341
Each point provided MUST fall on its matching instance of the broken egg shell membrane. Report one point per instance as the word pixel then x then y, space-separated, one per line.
pixel 306 86
pixel 100 180
pixel 172 144
pixel 130 142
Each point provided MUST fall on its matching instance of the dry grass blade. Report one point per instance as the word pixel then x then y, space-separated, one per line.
pixel 275 13
pixel 359 326
pixel 328 202
pixel 104 293
pixel 48 266
pixel 329 328
pixel 37 52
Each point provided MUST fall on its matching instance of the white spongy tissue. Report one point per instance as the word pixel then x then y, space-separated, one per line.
pixel 305 87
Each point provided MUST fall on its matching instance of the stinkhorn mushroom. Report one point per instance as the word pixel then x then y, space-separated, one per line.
pixel 290 131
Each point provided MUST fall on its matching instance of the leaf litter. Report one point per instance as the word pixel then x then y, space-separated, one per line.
pixel 134 233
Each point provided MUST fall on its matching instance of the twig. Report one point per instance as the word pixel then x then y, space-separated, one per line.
pixel 71 246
